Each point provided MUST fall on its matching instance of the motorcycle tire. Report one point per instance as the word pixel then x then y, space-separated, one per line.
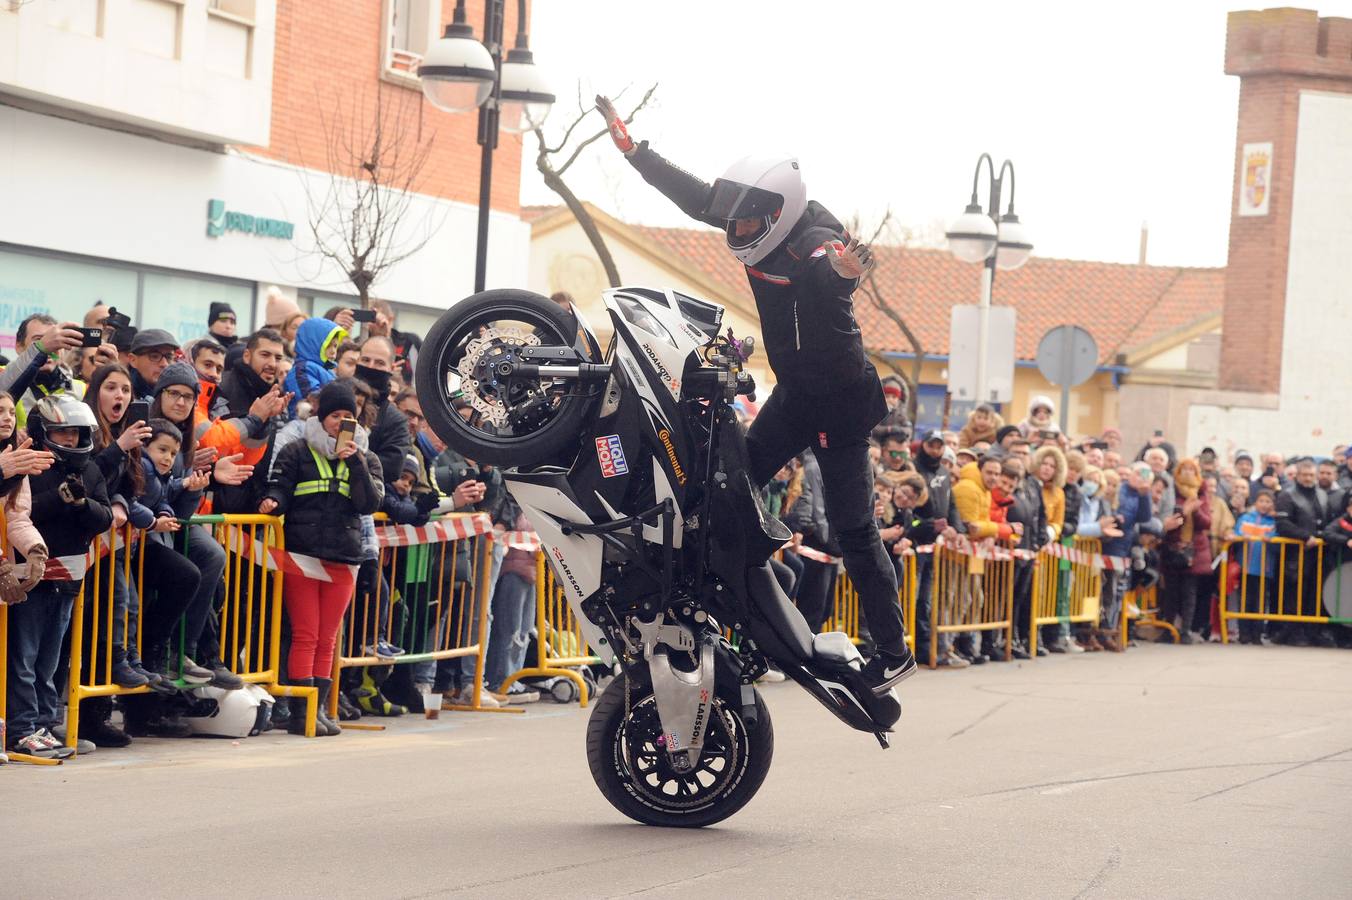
pixel 634 794
pixel 434 360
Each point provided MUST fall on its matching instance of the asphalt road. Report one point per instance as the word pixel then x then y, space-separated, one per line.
pixel 1200 771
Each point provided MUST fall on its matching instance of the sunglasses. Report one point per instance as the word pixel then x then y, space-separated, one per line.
pixel 897 454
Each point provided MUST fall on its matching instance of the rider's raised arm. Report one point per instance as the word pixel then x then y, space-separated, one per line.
pixel 689 193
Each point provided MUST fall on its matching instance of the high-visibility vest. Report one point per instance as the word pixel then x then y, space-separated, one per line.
pixel 329 481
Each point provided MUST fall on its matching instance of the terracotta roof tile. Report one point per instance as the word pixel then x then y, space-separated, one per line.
pixel 1122 306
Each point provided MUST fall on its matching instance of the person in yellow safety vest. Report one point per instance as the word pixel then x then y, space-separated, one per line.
pixel 37 371
pixel 323 489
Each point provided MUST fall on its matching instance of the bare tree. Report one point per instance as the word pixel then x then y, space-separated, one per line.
pixel 553 175
pixel 374 157
pixel 886 232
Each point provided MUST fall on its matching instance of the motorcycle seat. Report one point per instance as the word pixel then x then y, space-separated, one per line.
pixel 835 647
pixel 778 611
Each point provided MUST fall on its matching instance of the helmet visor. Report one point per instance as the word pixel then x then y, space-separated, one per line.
pixel 731 200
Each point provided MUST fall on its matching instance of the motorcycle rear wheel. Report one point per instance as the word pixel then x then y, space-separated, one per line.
pixel 632 771
pixel 444 347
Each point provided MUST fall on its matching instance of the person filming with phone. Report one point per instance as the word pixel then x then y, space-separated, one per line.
pixel 323 484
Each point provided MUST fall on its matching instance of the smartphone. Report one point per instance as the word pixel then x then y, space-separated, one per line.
pixel 93 337
pixel 1099 445
pixel 1159 433
pixel 138 411
pixel 347 431
pixel 363 315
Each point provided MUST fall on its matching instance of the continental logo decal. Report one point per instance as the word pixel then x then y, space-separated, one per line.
pixel 665 437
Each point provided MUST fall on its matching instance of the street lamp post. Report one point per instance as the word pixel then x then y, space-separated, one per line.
pixel 459 74
pixel 996 241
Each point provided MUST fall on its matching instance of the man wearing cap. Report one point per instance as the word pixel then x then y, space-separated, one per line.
pixel 222 324
pixel 152 350
pixel 1344 461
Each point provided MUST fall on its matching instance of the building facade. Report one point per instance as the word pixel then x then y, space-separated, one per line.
pixel 165 154
pixel 1284 366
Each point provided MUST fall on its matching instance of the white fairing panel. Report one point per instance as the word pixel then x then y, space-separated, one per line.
pixel 576 559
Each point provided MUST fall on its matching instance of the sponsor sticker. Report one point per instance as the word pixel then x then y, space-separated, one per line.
pixel 610 455
pixel 821 438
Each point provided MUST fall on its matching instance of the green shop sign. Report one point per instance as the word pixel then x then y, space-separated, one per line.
pixel 220 220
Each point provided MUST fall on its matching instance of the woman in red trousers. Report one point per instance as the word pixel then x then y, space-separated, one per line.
pixel 322 488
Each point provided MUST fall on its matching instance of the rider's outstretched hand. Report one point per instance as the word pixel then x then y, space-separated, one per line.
pixel 618 132
pixel 849 260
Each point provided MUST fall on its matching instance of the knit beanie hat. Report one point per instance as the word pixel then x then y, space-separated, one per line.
pixel 411 465
pixel 336 396
pixel 217 310
pixel 180 373
pixel 278 309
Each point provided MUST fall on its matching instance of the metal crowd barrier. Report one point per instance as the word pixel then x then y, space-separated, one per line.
pixel 560 646
pixel 248 624
pixel 845 615
pixel 1143 607
pixel 1065 591
pixel 1285 594
pixel 971 593
pixel 436 607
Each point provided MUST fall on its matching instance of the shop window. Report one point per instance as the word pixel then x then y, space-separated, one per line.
pixel 179 303
pixel 61 288
pixel 410 26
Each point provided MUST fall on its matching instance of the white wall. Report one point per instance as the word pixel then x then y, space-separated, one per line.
pixel 159 64
pixel 1313 412
pixel 80 189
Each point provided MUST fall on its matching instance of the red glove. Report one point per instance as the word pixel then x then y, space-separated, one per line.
pixel 618 133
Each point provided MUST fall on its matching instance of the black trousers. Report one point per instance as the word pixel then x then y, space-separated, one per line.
pixel 780 433
pixel 816 593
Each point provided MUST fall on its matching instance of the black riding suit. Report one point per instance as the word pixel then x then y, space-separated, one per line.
pixel 828 396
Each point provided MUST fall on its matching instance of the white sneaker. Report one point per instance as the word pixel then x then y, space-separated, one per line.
pixel 1073 646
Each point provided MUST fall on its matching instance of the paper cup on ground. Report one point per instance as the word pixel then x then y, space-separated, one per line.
pixel 432 705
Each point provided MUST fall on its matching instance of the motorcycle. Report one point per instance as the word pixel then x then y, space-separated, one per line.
pixel 632 467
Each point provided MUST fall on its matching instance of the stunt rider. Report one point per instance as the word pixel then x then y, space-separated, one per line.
pixel 803 267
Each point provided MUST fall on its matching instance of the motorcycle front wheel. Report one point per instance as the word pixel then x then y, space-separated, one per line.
pixel 517 422
pixel 631 767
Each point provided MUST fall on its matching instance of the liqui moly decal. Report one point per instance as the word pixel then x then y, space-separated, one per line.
pixel 610 454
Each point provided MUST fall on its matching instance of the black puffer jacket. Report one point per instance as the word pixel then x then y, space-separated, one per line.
pixel 806 311
pixel 325 525
pixel 940 503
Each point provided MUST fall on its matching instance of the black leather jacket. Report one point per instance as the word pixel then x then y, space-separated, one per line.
pixel 806 311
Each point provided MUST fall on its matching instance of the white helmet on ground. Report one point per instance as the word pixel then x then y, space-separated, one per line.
pixel 769 188
pixel 221 713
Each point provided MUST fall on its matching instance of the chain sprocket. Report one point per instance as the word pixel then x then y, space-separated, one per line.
pixel 492 409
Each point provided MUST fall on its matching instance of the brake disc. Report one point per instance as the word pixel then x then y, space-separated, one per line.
pixel 472 388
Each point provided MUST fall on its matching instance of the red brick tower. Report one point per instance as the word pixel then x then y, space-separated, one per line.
pixel 1277 54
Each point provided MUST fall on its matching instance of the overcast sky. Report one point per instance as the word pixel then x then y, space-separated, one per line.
pixel 1112 114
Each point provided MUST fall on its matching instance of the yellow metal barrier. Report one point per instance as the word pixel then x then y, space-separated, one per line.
pixel 249 623
pixel 970 594
pixel 444 611
pixel 1147 604
pixel 1064 591
pixel 845 614
pixel 560 647
pixel 1292 598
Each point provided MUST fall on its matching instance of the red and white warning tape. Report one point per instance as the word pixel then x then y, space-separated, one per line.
pixel 74 567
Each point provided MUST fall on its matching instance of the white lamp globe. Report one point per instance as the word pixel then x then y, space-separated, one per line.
pixel 1014 244
pixel 972 237
pixel 526 97
pixel 457 72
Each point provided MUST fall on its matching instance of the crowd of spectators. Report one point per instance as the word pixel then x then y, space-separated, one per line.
pixel 1027 485
pixel 316 418
pixel 104 425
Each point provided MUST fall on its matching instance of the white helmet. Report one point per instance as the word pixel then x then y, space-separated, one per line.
pixel 233 714
pixel 769 188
